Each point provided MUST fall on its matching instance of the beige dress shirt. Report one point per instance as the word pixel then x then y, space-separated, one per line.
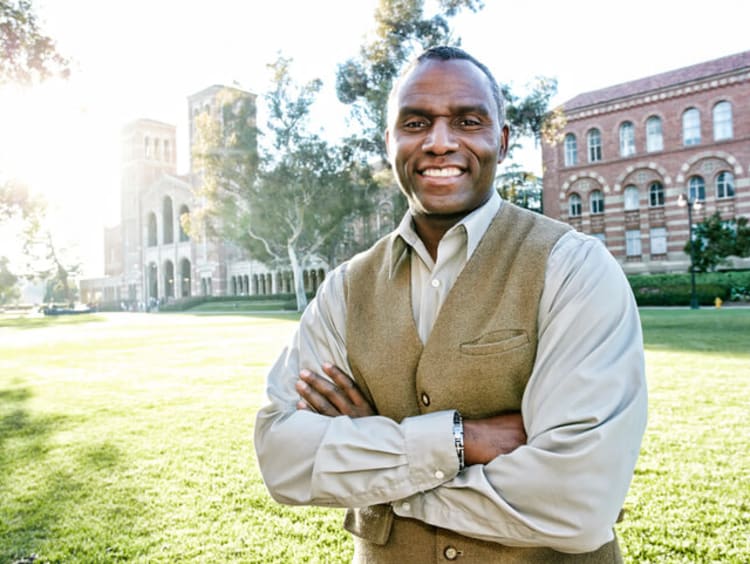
pixel 585 406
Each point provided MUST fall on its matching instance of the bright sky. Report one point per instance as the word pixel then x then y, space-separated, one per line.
pixel 142 58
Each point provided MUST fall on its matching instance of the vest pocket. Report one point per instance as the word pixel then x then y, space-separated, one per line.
pixel 496 342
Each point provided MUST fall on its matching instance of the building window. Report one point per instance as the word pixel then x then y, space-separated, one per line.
pixel 596 202
pixel 601 236
pixel 656 195
pixel 723 121
pixel 151 229
pixel 696 188
pixel 691 127
pixel 633 243
pixel 631 198
pixel 659 241
pixel 157 150
pixel 725 185
pixel 654 135
pixel 574 205
pixel 167 155
pixel 627 139
pixel 147 148
pixel 571 150
pixel 595 145
pixel 184 214
pixel 167 220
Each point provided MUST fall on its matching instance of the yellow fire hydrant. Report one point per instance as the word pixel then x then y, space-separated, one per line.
pixel 717 302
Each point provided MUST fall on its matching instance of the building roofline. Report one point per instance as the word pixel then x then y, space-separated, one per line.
pixel 713 68
pixel 217 87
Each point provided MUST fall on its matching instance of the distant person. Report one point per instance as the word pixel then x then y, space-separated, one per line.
pixel 471 387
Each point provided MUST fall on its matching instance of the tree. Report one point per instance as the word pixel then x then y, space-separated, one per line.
pixel 715 240
pixel 287 204
pixel 521 187
pixel 28 55
pixel 8 283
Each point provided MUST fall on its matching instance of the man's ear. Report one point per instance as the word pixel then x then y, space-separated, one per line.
pixel 503 151
pixel 388 143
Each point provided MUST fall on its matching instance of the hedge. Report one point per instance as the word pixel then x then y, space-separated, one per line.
pixel 675 289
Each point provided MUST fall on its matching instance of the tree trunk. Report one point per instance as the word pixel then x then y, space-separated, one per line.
pixel 299 280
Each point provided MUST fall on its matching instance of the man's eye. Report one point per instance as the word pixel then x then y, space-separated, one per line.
pixel 415 124
pixel 469 122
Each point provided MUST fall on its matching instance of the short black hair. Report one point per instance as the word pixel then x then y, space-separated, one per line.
pixel 448 53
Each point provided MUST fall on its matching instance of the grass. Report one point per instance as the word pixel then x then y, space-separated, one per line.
pixel 128 438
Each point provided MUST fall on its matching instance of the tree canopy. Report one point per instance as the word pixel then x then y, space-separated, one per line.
pixel 715 240
pixel 27 55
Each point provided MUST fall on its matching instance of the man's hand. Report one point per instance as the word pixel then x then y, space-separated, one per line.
pixel 340 397
pixel 486 439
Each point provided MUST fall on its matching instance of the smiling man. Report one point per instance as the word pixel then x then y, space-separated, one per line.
pixel 472 387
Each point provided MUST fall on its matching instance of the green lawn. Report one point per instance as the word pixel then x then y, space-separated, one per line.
pixel 127 438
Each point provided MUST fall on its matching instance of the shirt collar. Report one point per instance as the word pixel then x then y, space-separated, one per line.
pixel 475 224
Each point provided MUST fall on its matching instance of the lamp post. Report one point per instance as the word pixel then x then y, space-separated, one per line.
pixel 684 201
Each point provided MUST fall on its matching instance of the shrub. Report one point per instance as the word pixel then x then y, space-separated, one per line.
pixel 675 289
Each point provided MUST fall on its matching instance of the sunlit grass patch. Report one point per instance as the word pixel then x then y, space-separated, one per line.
pixel 129 438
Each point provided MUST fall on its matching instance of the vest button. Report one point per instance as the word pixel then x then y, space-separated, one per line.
pixel 450 553
pixel 425 399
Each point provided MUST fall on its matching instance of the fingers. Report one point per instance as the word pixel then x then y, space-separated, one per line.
pixel 313 397
pixel 339 396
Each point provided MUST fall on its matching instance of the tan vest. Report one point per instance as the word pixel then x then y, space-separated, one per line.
pixel 477 359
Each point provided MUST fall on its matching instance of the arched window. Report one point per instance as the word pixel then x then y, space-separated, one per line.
pixel 571 150
pixel 654 134
pixel 185 278
pixel 168 222
pixel 168 279
pixel 147 148
pixel 151 223
pixel 656 195
pixel 167 153
pixel 596 202
pixel 725 185
pixel 627 139
pixel 691 127
pixel 631 198
pixel 157 150
pixel 723 121
pixel 595 145
pixel 574 205
pixel 696 188
pixel 184 211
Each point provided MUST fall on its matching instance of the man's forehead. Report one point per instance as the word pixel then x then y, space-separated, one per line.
pixel 456 83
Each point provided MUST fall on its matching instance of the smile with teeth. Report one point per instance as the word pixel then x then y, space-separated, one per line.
pixel 442 172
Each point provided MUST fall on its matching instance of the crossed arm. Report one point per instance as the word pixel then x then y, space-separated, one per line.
pixel 484 439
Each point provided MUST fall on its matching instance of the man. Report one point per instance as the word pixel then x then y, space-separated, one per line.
pixel 471 387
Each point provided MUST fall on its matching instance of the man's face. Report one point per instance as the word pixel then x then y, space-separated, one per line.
pixel 444 139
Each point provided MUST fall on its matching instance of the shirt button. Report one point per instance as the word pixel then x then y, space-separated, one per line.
pixel 450 553
pixel 425 399
pixel 406 506
pixel 439 474
pixel 435 283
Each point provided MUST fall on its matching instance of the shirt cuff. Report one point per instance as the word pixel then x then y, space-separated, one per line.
pixel 430 449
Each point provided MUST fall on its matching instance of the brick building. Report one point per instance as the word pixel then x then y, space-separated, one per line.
pixel 627 152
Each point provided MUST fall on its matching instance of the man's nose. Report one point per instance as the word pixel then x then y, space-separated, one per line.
pixel 440 139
